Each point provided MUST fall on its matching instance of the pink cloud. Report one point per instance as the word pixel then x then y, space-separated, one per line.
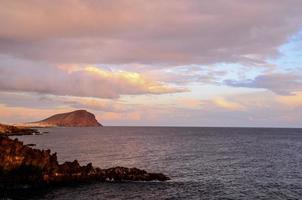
pixel 169 32
pixel 87 81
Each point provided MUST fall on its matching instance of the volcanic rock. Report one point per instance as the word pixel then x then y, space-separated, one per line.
pixel 15 130
pixel 22 165
pixel 78 118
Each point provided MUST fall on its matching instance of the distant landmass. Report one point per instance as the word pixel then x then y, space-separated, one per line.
pixel 77 118
pixel 16 130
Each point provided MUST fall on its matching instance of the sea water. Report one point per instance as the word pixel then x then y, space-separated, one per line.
pixel 203 163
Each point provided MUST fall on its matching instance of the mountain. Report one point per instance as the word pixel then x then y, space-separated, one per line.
pixel 78 118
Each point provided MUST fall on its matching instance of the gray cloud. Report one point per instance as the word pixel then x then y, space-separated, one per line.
pixel 28 100
pixel 169 32
pixel 282 84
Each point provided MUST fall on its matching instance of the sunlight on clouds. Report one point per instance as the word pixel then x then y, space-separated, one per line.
pixel 24 114
pixel 69 68
pixel 221 102
pixel 188 64
pixel 112 116
pixel 190 103
pixel 98 104
pixel 124 79
pixel 253 109
pixel 292 101
pixel 131 77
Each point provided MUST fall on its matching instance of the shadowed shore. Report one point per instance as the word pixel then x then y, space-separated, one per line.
pixel 21 165
pixel 9 130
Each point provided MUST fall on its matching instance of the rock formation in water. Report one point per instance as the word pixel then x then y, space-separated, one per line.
pixel 78 118
pixel 15 130
pixel 22 165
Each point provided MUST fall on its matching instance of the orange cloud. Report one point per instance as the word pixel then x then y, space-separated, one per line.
pixel 80 81
pixel 111 116
pixel 233 106
pixel 107 105
pixel 22 114
pixel 124 78
pixel 69 68
pixel 292 101
pixel 190 103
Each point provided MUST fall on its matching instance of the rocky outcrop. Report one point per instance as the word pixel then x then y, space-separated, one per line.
pixel 15 130
pixel 78 118
pixel 22 165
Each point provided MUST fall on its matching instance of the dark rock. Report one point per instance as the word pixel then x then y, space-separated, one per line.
pixel 16 130
pixel 31 145
pixel 23 165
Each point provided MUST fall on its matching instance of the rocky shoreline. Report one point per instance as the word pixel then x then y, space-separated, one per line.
pixel 21 165
pixel 9 130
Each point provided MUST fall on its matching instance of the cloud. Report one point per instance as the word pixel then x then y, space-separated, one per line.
pixel 26 114
pixel 105 105
pixel 279 83
pixel 72 54
pixel 87 81
pixel 182 75
pixel 29 100
pixel 291 101
pixel 252 109
pixel 228 105
pixel 218 103
pixel 189 103
pixel 168 32
pixel 111 116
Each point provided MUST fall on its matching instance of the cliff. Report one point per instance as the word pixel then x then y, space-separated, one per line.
pixel 78 118
pixel 22 165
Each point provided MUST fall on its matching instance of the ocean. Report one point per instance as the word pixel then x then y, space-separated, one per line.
pixel 203 163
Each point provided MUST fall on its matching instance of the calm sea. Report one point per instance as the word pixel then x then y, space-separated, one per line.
pixel 203 163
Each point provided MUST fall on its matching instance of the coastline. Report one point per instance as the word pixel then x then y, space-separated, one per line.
pixel 23 166
pixel 10 130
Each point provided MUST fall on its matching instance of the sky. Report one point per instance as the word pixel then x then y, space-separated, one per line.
pixel 153 63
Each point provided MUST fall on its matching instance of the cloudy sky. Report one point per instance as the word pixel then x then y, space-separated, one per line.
pixel 168 63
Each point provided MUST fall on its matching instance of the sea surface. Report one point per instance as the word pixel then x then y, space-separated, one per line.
pixel 203 163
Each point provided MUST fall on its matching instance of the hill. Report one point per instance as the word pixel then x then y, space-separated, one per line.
pixel 78 118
